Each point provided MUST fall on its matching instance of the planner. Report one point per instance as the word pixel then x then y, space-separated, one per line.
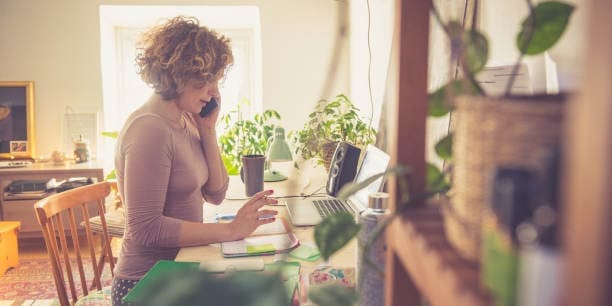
pixel 271 238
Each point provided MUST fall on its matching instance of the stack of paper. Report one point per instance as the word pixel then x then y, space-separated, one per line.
pixel 272 238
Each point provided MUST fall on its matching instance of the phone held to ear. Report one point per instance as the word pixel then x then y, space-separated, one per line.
pixel 209 107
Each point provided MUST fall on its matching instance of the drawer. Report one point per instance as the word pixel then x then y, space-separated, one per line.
pixel 22 211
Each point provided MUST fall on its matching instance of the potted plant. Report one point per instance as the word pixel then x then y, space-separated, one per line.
pixel 331 121
pixel 245 136
pixel 491 131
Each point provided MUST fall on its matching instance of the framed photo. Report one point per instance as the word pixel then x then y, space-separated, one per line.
pixel 19 146
pixel 17 120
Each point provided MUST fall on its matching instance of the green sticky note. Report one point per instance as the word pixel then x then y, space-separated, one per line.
pixel 264 248
pixel 306 252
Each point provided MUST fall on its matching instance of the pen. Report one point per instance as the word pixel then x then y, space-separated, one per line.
pixel 231 216
pixel 225 217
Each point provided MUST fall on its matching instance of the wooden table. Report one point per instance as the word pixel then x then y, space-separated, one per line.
pixel 302 181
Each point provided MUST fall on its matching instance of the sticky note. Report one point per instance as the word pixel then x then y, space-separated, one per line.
pixel 264 248
pixel 306 252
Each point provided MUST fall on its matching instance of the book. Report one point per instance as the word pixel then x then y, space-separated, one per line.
pixel 23 186
pixel 271 238
pixel 9 196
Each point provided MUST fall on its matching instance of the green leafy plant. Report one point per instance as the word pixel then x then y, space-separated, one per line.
pixel 331 121
pixel 538 32
pixel 245 136
pixel 198 287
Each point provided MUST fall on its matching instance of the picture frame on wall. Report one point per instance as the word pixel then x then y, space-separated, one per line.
pixel 17 120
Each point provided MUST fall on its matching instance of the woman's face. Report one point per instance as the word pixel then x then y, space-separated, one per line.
pixel 196 95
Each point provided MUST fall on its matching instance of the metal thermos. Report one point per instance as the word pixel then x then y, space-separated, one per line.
pixel 371 284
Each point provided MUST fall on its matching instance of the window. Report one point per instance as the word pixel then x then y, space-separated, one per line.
pixel 123 91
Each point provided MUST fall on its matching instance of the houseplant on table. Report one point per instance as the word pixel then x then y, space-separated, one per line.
pixel 245 136
pixel 331 121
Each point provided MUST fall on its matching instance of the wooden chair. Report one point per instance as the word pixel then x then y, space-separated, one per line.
pixel 53 213
pixel 115 225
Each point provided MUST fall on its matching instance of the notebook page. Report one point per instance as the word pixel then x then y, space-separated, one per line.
pixel 280 242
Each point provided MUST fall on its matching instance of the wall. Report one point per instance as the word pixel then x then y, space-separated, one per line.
pixel 567 53
pixel 56 44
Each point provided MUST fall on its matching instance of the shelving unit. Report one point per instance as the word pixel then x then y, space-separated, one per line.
pixel 420 263
pixel 438 272
pixel 23 210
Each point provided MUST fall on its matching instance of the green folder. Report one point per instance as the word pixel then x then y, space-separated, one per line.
pixel 289 270
pixel 158 271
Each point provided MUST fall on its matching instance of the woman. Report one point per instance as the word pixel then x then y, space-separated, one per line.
pixel 167 157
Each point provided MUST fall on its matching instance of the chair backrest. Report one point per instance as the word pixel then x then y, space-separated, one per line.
pixel 53 212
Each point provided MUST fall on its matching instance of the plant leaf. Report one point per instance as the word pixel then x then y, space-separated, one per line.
pixel 438 106
pixel 195 287
pixel 435 178
pixel 333 295
pixel 444 147
pixel 334 232
pixel 437 103
pixel 111 134
pixel 111 175
pixel 551 19
pixel 476 51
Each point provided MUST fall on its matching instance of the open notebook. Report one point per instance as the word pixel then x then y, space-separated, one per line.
pixel 271 238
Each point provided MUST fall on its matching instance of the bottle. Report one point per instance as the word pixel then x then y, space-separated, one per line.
pixel 81 150
pixel 513 196
pixel 371 283
pixel 540 252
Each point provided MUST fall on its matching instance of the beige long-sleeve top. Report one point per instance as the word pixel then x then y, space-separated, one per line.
pixel 161 173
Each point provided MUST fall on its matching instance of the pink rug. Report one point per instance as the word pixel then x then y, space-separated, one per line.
pixel 33 280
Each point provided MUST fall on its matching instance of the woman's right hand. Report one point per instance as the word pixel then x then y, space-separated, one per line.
pixel 249 217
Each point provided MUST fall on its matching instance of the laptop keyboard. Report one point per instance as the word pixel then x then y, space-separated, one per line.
pixel 328 207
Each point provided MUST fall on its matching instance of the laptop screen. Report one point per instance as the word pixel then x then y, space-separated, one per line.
pixel 374 162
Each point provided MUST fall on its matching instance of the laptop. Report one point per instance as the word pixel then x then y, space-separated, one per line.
pixel 311 211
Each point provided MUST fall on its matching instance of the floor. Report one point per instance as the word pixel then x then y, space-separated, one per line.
pixel 34 248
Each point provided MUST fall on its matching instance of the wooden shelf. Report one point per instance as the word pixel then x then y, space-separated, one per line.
pixel 437 271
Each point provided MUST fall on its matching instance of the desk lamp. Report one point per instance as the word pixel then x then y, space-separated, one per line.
pixel 278 151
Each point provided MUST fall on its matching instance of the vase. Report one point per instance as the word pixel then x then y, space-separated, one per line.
pixel 327 153
pixel 490 133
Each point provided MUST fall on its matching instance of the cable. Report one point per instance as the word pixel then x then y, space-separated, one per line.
pixel 302 195
pixel 337 49
pixel 370 66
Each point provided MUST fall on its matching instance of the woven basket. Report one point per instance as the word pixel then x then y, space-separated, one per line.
pixel 328 153
pixel 490 133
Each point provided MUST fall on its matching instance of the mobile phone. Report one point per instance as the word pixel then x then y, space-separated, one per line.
pixel 208 108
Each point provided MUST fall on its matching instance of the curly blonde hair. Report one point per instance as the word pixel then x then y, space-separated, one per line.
pixel 180 50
